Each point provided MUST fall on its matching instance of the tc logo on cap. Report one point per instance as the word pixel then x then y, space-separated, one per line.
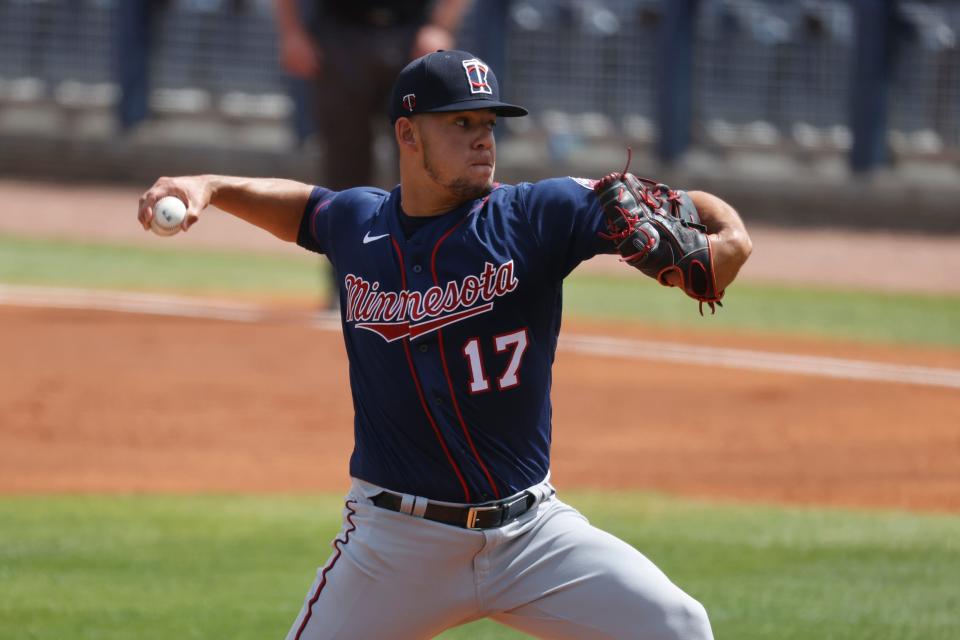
pixel 410 101
pixel 477 76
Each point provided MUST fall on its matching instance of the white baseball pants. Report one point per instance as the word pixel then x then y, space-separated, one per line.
pixel 393 576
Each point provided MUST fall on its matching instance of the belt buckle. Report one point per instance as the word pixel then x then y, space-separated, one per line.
pixel 472 515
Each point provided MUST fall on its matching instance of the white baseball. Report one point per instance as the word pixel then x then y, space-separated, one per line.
pixel 168 215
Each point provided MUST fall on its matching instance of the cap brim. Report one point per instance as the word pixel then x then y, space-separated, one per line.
pixel 500 108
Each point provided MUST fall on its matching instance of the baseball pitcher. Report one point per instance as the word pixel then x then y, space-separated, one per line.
pixel 450 301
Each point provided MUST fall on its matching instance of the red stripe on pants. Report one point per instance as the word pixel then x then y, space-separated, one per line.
pixel 338 545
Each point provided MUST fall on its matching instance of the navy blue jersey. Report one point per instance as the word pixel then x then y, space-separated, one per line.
pixel 451 333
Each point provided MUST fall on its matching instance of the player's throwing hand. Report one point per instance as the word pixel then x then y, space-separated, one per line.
pixel 195 192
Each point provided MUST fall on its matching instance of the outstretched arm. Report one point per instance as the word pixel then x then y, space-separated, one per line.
pixel 272 204
pixel 729 240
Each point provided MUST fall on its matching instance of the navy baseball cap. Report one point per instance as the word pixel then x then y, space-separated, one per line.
pixel 448 81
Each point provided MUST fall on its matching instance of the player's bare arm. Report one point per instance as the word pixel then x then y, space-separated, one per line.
pixel 729 240
pixel 273 204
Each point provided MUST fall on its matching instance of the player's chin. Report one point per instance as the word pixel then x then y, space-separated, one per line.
pixel 467 188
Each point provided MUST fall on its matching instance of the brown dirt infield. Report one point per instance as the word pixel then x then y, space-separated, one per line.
pixel 107 402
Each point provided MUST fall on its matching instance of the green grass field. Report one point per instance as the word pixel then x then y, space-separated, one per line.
pixel 162 567
pixel 238 566
pixel 821 312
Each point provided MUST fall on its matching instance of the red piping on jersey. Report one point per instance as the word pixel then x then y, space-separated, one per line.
pixel 416 382
pixel 446 370
pixel 338 544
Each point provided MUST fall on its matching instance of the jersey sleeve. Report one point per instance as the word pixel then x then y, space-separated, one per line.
pixel 567 219
pixel 331 218
pixel 315 233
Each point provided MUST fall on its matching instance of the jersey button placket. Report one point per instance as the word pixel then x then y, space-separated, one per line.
pixel 426 355
pixel 420 282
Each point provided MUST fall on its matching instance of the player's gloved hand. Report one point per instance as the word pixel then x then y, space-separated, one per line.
pixel 658 231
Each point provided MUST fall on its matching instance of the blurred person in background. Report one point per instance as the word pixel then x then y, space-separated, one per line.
pixel 351 51
pixel 134 35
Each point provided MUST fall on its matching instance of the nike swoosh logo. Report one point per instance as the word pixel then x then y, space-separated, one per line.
pixel 367 238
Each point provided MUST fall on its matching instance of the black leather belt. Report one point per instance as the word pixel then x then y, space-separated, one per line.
pixel 488 515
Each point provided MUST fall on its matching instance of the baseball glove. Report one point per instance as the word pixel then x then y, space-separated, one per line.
pixel 658 231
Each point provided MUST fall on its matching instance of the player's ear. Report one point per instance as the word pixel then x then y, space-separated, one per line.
pixel 404 132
